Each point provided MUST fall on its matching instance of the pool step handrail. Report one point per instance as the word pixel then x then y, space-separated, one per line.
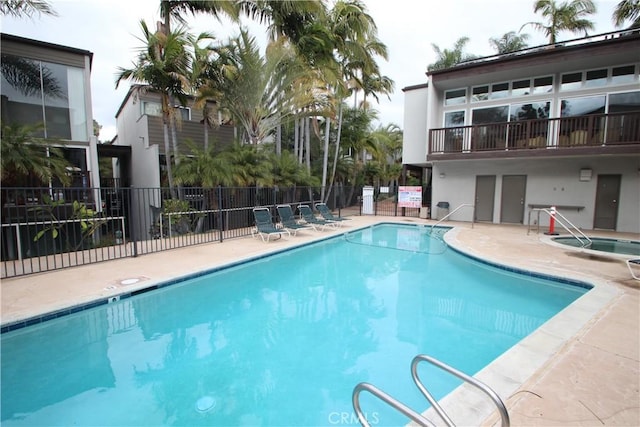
pixel 502 409
pixel 583 239
pixel 389 400
pixel 413 415
pixel 473 217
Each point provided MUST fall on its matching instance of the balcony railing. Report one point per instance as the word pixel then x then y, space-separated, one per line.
pixel 594 130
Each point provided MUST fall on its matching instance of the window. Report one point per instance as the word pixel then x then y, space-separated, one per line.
pixel 454 119
pixel 480 93
pixel 185 112
pixel 455 97
pixel 543 85
pixel 624 102
pixel 530 111
pixel 582 106
pixel 490 115
pixel 571 81
pixel 53 95
pixel 624 74
pixel 152 108
pixel 499 90
pixel 521 87
pixel 596 78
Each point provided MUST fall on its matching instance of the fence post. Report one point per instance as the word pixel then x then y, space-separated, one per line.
pixel 220 226
pixel 132 237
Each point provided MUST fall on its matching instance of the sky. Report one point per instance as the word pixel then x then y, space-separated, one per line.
pixel 110 29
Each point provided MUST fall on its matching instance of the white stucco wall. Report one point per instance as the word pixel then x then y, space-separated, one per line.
pixel 414 142
pixel 549 181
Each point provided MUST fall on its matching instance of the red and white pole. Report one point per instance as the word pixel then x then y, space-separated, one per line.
pixel 552 222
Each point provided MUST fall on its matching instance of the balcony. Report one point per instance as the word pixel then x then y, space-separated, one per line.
pixel 617 133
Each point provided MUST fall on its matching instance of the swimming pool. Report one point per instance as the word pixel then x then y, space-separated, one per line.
pixel 613 246
pixel 304 326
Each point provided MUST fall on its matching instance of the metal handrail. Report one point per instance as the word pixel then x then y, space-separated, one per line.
pixel 451 213
pixel 504 415
pixel 394 403
pixel 413 415
pixel 555 214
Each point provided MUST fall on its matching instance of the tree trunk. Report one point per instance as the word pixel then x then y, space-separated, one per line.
pixel 167 158
pixel 307 144
pixel 325 157
pixel 337 153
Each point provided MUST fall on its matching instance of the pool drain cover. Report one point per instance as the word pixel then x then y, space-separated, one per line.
pixel 205 404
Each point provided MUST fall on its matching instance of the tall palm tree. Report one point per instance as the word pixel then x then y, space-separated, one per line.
pixel 162 64
pixel 627 10
pixel 28 8
pixel 448 58
pixel 509 42
pixel 567 16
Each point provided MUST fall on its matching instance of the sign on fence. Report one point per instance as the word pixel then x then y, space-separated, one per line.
pixel 410 197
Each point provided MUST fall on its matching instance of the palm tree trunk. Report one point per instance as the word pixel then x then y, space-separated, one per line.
pixel 307 143
pixel 167 158
pixel 337 153
pixel 296 136
pixel 325 157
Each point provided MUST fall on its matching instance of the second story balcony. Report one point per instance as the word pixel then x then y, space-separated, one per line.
pixel 593 134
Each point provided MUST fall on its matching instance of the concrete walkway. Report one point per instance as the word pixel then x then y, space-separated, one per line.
pixel 580 368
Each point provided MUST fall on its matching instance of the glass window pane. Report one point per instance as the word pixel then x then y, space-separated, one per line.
pixel 582 106
pixel 623 74
pixel 521 87
pixel 499 90
pixel 530 111
pixel 56 102
pixel 77 110
pixel 624 102
pixel 152 108
pixel 490 115
pixel 571 81
pixel 543 85
pixel 480 93
pixel 596 78
pixel 453 119
pixel 21 91
pixel 455 97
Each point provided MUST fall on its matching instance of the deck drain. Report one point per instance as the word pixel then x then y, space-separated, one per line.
pixel 129 281
pixel 205 404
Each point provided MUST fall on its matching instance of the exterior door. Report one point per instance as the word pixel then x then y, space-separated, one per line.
pixel 485 195
pixel 513 194
pixel 607 194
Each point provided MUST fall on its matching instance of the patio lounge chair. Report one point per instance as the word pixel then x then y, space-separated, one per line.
pixel 328 215
pixel 264 225
pixel 630 264
pixel 288 220
pixel 309 218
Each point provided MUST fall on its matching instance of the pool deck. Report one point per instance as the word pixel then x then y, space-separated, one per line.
pixel 582 368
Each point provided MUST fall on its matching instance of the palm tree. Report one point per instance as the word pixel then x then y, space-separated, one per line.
pixel 28 8
pixel 448 58
pixel 260 91
pixel 567 16
pixel 627 10
pixel 509 42
pixel 162 64
pixel 22 154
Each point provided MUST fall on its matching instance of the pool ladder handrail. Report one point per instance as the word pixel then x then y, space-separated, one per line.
pixel 420 419
pixel 454 211
pixel 583 239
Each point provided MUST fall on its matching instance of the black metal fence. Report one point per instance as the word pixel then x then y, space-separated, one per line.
pixel 46 229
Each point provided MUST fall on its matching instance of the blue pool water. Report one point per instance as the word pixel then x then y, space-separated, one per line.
pixel 279 341
pixel 614 246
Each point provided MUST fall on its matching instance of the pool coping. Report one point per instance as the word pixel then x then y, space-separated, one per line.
pixel 508 372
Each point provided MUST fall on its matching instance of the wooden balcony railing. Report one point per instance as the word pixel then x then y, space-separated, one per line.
pixel 593 130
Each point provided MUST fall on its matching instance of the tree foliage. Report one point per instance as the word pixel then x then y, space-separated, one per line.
pixel 570 15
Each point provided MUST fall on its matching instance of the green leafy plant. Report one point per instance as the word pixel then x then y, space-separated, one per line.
pixel 87 218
